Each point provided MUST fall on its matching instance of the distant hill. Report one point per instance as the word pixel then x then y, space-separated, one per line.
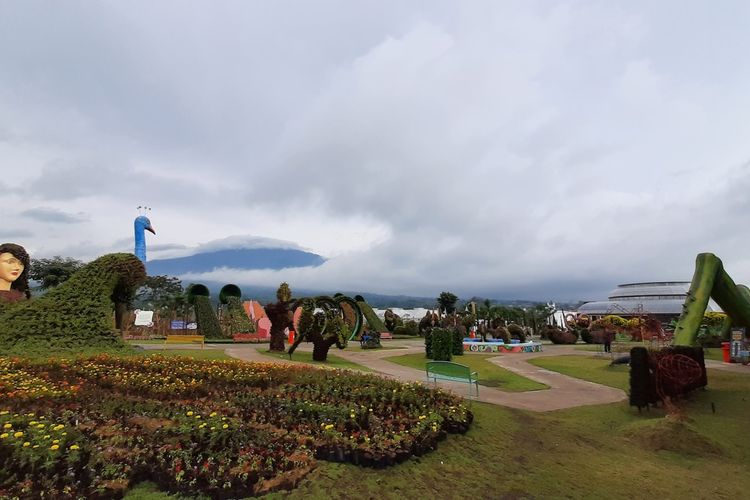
pixel 241 258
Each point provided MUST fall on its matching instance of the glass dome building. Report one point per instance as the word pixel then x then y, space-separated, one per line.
pixel 660 299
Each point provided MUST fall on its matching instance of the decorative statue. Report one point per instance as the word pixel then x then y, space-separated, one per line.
pixel 280 313
pixel 141 224
pixel 14 273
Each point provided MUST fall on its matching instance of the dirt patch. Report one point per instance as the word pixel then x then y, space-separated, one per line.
pixel 670 435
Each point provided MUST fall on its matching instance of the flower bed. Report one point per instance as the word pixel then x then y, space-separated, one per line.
pixel 227 429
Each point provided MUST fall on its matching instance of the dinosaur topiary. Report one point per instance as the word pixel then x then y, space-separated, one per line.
pixel 77 314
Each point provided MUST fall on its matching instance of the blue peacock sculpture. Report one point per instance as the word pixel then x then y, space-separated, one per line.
pixel 141 224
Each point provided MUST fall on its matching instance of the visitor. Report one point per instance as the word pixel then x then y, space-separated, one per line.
pixel 14 273
pixel 608 340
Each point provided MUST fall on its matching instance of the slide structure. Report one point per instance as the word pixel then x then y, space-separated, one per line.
pixel 711 281
pixel 373 322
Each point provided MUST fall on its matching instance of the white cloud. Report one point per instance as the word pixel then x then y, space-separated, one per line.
pixel 518 148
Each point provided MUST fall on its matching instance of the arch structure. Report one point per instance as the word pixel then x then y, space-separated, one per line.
pixel 711 281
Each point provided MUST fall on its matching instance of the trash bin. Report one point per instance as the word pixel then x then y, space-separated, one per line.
pixel 725 351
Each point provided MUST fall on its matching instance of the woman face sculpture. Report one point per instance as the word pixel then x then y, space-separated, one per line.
pixel 10 269
pixel 14 268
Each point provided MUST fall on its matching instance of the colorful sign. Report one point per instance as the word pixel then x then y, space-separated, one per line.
pixel 502 348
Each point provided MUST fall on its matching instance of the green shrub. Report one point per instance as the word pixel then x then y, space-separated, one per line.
pixel 558 336
pixel 428 342
pixel 442 344
pixel 409 327
pixel 516 332
pixel 585 335
pixel 239 322
pixel 458 341
pixel 208 324
pixel 501 333
pixel 77 314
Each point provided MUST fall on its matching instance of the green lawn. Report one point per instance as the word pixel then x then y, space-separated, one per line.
pixel 594 369
pixel 192 353
pixel 333 361
pixel 490 374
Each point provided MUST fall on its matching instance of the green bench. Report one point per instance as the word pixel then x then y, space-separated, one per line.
pixel 447 370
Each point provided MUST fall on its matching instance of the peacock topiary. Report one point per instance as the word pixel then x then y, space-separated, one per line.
pixel 76 315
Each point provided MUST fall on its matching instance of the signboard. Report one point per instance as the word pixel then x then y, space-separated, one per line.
pixel 177 324
pixel 144 318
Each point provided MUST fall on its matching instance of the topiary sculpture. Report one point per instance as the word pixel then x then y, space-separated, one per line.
pixel 77 314
pixel 323 328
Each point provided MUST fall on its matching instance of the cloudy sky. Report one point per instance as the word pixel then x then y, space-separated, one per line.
pixel 540 150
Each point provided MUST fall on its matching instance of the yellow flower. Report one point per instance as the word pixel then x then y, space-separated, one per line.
pixel 190 414
pixel 3 435
pixel 26 444
pixel 329 427
pixel 54 447
pixel 225 426
pixel 74 447
pixel 58 427
pixel 18 434
pixel 55 441
pixel 8 426
pixel 40 426
pixel 213 414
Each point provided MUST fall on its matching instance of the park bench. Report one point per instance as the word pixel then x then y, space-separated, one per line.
pixel 447 370
pixel 185 339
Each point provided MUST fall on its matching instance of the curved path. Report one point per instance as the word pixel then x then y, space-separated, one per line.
pixel 564 391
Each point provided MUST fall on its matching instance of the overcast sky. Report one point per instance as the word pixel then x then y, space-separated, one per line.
pixel 539 150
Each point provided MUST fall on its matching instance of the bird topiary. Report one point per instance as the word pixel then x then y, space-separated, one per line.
pixel 76 315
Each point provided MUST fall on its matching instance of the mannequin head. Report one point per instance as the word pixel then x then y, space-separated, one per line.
pixel 14 268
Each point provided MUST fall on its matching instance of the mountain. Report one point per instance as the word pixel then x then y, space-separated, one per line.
pixel 238 258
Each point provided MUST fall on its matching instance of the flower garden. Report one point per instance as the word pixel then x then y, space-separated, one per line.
pixel 93 427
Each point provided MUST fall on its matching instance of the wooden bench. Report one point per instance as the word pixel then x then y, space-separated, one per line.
pixel 447 370
pixel 185 339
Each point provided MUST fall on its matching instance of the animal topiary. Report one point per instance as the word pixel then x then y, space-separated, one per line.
pixel 77 314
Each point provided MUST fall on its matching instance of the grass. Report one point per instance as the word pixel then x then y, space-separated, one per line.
pixel 191 353
pixel 490 374
pixel 594 369
pixel 333 361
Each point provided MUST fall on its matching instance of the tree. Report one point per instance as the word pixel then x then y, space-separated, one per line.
pixel 52 272
pixel 447 302
pixel 160 293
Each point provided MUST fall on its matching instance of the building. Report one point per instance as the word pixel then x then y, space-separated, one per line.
pixel 662 300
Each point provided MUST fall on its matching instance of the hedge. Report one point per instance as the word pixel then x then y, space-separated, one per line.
pixel 442 342
pixel 458 342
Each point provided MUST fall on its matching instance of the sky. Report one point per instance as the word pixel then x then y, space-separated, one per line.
pixel 514 150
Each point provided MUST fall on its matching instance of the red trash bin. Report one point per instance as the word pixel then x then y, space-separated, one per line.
pixel 726 352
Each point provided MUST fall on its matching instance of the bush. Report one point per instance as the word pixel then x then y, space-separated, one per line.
pixel 516 332
pixel 410 327
pixel 442 342
pixel 558 336
pixel 585 335
pixel 501 333
pixel 458 341
pixel 428 343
